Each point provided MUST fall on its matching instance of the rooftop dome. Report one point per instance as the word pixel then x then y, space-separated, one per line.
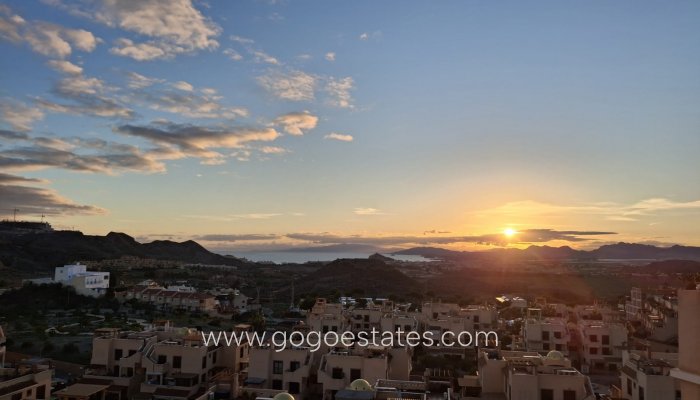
pixel 283 396
pixel 360 385
pixel 555 355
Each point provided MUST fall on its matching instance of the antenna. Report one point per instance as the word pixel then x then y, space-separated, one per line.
pixel 292 305
pixel 42 218
pixel 16 210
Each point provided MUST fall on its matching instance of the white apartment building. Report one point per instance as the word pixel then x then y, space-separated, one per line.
pixel 646 376
pixel 529 375
pixel 688 371
pixel 544 334
pixel 602 344
pixel 87 283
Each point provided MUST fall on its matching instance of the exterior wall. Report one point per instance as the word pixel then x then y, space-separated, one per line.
pixel 689 343
pixel 28 386
pixel 262 365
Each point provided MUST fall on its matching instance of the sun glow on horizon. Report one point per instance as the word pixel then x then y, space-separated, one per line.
pixel 509 232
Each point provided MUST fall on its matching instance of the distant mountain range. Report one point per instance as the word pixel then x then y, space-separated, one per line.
pixel 618 251
pixel 45 250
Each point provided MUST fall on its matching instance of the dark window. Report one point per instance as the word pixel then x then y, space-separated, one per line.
pixel 593 338
pixel 337 373
pixel 545 335
pixel 558 347
pixel 476 318
pixel 606 351
pixel 277 384
pixel 294 387
pixel 545 346
pixel 593 350
pixel 162 359
pixel 41 392
pixel 547 394
pixel 557 335
pixel 17 396
pixel 629 387
pixel 213 357
pixel 177 362
pixel 641 393
pixel 606 339
pixel 569 395
pixel 366 318
pixel 118 354
pixel 204 362
pixel 294 365
pixel 355 373
pixel 132 352
pixel 277 367
pixel 241 354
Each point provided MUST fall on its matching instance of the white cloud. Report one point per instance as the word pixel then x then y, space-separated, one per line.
pixel 138 81
pixel 233 54
pixel 184 86
pixel 241 40
pixel 330 56
pixel 19 115
pixel 339 136
pixel 297 122
pixel 364 36
pixel 339 92
pixel 273 150
pixel 139 51
pixel 292 85
pixel 66 67
pixel 45 38
pixel 367 211
pixel 261 56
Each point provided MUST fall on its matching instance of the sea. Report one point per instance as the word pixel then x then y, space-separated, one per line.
pixel 300 257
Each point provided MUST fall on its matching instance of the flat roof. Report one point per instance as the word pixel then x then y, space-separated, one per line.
pixel 81 390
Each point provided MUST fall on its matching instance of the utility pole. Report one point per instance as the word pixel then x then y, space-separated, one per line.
pixel 15 211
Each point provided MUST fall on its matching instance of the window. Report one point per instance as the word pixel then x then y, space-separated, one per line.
pixel 593 350
pixel 294 365
pixel 629 387
pixel 557 335
pixel 204 362
pixel 132 352
pixel 476 318
pixel 277 367
pixel 545 346
pixel 118 354
pixel 177 362
pixel 547 394
pixel 606 351
pixel 337 373
pixel 40 392
pixel 641 393
pixel 355 373
pixel 545 335
pixel 606 339
pixel 569 395
pixel 593 338
pixel 294 387
pixel 277 384
pixel 162 359
pixel 213 357
pixel 558 347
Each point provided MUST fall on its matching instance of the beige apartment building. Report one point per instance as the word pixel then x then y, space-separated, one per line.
pixel 602 344
pixel 688 371
pixel 285 370
pixel 543 334
pixel 646 375
pixel 166 363
pixel 341 366
pixel 326 317
pixel 441 317
pixel 167 299
pixel 26 379
pixel 529 375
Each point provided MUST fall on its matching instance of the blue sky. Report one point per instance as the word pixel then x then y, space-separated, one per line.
pixel 279 123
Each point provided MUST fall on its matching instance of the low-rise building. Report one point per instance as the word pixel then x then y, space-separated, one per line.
pixel 646 375
pixel 602 344
pixel 688 371
pixel 529 375
pixel 285 369
pixel 87 283
pixel 543 334
pixel 26 379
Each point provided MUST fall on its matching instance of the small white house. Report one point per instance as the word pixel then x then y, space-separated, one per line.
pixel 87 283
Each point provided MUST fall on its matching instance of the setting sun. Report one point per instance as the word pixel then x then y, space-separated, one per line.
pixel 509 232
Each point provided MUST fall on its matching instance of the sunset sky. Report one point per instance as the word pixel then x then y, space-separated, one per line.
pixel 267 124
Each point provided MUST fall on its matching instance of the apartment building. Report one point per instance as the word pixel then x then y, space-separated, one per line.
pixel 646 376
pixel 341 366
pixel 281 370
pixel 169 299
pixel 3 347
pixel 635 305
pixel 543 334
pixel 441 317
pixel 26 379
pixel 326 317
pixel 688 371
pixel 529 375
pixel 602 344
pixel 166 363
